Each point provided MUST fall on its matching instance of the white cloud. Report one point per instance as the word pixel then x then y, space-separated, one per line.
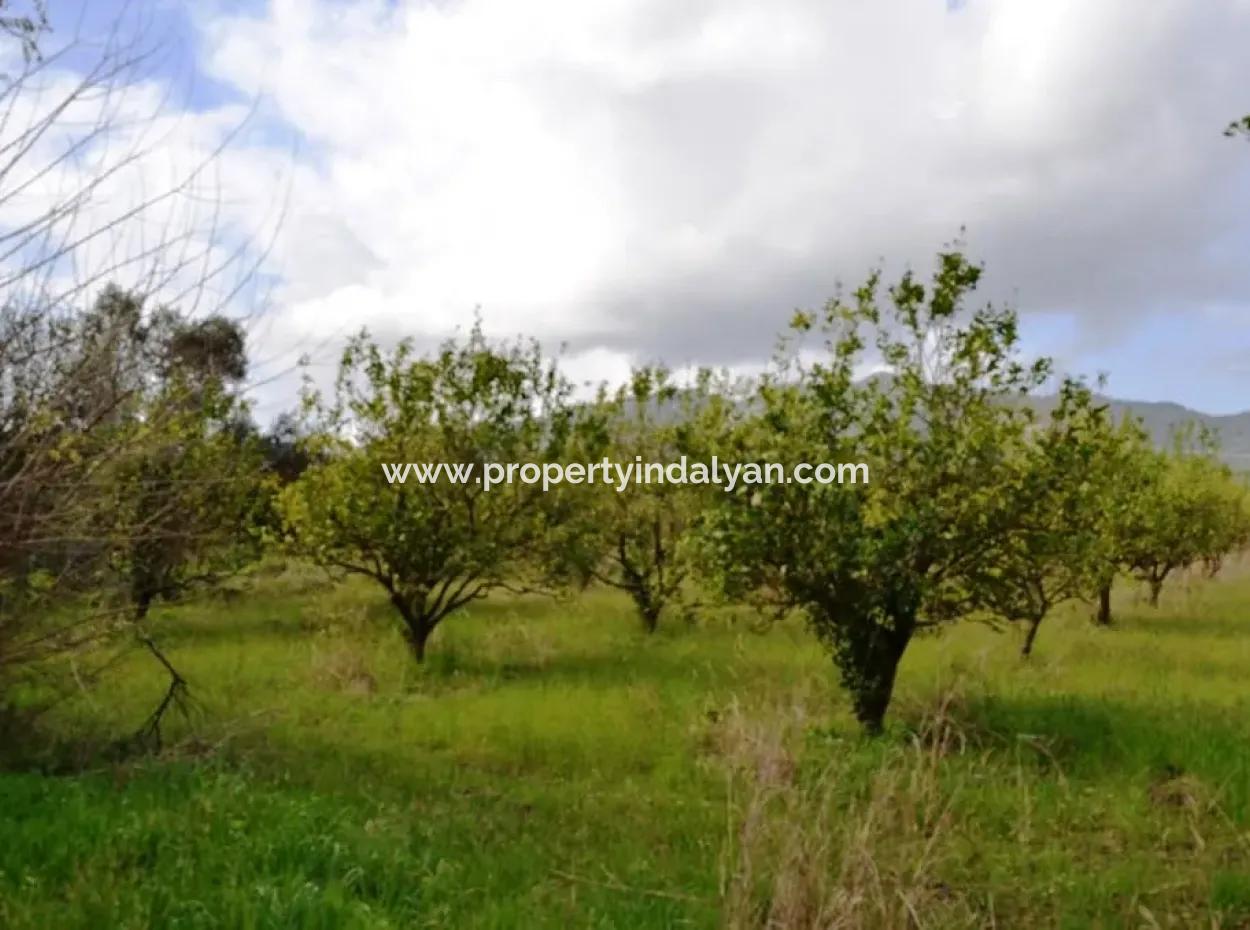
pixel 650 175
pixel 644 179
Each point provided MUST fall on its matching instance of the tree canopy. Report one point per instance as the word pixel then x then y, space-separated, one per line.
pixel 434 546
pixel 876 563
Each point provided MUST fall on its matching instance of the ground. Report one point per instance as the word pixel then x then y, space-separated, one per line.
pixel 552 766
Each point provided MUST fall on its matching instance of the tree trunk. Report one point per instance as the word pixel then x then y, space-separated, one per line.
pixel 144 588
pixel 872 700
pixel 1156 587
pixel 648 609
pixel 417 636
pixel 874 682
pixel 1034 625
pixel 1104 605
pixel 417 627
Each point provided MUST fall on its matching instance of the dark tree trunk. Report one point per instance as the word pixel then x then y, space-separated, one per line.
pixel 873 700
pixel 1104 605
pixel 1156 588
pixel 648 608
pixel 417 636
pixel 417 627
pixel 651 619
pixel 1034 625
pixel 144 588
pixel 874 682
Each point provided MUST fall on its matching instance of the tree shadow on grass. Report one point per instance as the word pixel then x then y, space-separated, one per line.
pixel 623 663
pixel 1084 737
pixel 225 627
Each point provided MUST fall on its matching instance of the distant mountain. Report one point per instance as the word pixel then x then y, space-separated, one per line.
pixel 1162 418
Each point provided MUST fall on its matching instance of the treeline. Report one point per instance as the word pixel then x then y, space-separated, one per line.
pixel 978 507
pixel 131 474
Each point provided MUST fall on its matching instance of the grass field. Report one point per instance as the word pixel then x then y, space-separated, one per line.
pixel 553 767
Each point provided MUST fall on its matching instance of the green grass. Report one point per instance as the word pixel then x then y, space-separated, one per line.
pixel 553 767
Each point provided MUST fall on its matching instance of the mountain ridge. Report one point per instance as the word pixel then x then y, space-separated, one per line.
pixel 1162 417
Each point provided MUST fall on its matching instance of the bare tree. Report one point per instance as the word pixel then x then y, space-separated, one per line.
pixel 26 28
pixel 86 131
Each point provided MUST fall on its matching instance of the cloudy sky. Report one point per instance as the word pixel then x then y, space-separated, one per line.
pixel 648 179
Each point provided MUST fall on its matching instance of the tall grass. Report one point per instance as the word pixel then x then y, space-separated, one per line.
pixel 826 849
pixel 553 767
pixel 824 835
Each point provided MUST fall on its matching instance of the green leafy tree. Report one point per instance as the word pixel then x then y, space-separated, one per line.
pixel 149 401
pixel 1123 472
pixel 1179 517
pixel 632 537
pixel 1051 553
pixel 874 564
pixel 1159 511
pixel 1165 539
pixel 435 545
pixel 188 505
pixel 1228 528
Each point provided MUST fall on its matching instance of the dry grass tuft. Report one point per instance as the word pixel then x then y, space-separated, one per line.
pixel 1176 789
pixel 517 644
pixel 340 666
pixel 825 850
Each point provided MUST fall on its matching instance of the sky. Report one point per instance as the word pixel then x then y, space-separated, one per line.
pixel 644 180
